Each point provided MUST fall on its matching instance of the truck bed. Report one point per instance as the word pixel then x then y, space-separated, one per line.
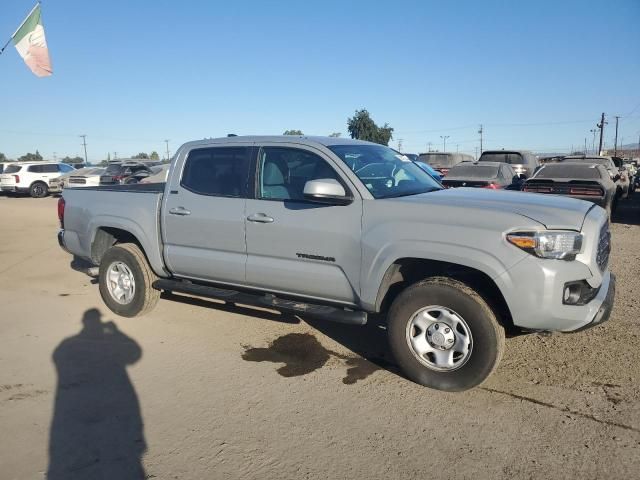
pixel 131 208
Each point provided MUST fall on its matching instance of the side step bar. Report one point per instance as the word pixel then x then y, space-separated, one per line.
pixel 325 312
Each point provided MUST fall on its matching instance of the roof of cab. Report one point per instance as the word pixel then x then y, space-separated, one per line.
pixel 300 139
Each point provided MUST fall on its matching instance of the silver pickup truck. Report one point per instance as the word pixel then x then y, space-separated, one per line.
pixel 342 229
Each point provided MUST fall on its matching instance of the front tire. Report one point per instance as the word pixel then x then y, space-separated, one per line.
pixel 125 280
pixel 38 190
pixel 444 335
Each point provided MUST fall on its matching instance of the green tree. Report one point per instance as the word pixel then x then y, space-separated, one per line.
pixel 3 157
pixel 103 163
pixel 362 127
pixel 31 157
pixel 335 135
pixel 141 156
pixel 154 156
pixel 293 132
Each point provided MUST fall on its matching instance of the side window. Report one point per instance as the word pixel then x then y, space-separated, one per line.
pixel 220 172
pixel 50 168
pixel 285 171
pixel 35 169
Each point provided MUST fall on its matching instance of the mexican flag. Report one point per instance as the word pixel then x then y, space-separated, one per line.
pixel 31 44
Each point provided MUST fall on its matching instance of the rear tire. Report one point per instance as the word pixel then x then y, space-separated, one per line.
pixel 126 280
pixel 470 339
pixel 38 190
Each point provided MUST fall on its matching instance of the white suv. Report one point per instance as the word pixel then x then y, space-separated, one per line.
pixel 31 177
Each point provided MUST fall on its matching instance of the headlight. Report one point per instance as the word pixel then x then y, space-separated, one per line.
pixel 558 245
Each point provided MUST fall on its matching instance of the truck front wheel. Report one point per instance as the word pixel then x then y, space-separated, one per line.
pixel 444 335
pixel 125 281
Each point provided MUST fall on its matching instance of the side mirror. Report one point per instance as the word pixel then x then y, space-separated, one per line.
pixel 327 191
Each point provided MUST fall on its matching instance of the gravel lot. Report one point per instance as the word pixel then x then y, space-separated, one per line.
pixel 203 390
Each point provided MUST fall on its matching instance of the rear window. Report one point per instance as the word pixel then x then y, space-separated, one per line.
pixel 12 169
pixel 217 171
pixel 599 160
pixel 558 170
pixel 113 169
pixel 510 158
pixel 473 171
pixel 438 159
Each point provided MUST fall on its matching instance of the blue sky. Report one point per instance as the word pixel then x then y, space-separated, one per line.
pixel 130 74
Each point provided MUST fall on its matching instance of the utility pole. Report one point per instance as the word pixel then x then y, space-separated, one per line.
pixel 115 155
pixel 457 148
pixel 593 142
pixel 615 142
pixel 476 156
pixel 444 142
pixel 84 144
pixel 480 132
pixel 429 146
pixel 601 127
pixel 167 142
pixel 400 145
pixel 585 145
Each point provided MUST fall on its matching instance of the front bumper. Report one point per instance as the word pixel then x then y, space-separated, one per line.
pixel 604 312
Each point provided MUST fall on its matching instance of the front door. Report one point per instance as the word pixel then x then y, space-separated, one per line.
pixel 204 215
pixel 295 246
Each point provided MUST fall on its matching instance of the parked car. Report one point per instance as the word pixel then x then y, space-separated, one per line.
pixel 159 174
pixel 286 223
pixel 4 164
pixel 523 162
pixel 585 181
pixel 430 170
pixel 85 178
pixel 442 161
pixel 82 177
pixel 621 180
pixel 31 177
pixel 492 175
pixel 124 173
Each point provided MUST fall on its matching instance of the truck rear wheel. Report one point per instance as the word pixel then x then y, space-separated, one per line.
pixel 444 335
pixel 125 280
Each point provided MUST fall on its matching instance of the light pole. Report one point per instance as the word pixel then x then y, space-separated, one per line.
pixel 167 142
pixel 444 142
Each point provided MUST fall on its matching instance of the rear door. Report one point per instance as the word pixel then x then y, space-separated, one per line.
pixel 295 246
pixel 204 214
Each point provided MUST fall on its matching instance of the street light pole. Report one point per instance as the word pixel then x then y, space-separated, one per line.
pixel 167 142
pixel 444 142
pixel 593 143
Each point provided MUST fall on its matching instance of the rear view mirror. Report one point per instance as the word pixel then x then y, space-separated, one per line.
pixel 327 191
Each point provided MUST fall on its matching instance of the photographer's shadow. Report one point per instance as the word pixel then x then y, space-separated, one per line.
pixel 97 430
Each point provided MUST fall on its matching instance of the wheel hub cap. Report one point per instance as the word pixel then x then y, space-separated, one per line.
pixel 439 338
pixel 120 282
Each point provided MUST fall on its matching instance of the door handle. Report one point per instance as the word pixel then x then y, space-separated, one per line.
pixel 180 211
pixel 260 218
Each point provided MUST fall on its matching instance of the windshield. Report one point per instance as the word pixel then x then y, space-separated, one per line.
pixel 438 159
pixel 113 168
pixel 384 172
pixel 12 169
pixel 473 171
pixel 568 170
pixel 511 158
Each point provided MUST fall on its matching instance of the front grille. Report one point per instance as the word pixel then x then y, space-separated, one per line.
pixel 604 247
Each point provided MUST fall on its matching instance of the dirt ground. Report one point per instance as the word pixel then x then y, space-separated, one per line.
pixel 203 390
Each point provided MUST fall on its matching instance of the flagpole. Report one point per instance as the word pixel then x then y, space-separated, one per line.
pixel 23 22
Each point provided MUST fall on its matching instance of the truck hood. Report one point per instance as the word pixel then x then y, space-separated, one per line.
pixel 551 211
